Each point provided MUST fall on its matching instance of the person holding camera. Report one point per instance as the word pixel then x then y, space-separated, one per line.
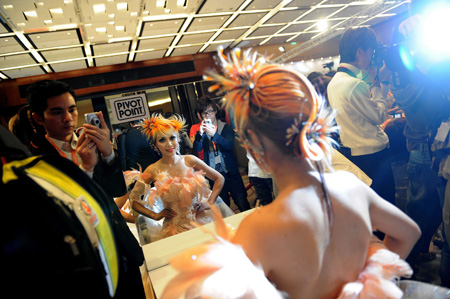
pixel 422 92
pixel 216 138
pixel 54 107
pixel 362 109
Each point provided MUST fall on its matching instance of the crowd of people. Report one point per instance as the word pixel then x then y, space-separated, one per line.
pixel 319 231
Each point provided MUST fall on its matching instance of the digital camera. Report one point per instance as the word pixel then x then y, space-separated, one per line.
pixel 396 57
pixel 92 119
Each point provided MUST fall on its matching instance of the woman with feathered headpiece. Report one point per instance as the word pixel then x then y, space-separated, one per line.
pixel 179 182
pixel 315 239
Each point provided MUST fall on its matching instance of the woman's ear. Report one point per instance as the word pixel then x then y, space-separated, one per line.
pixel 37 119
pixel 254 140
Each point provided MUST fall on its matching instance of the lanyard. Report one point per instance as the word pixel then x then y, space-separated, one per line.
pixel 343 69
pixel 74 153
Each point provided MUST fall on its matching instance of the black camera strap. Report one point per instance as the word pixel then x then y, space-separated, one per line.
pixel 346 70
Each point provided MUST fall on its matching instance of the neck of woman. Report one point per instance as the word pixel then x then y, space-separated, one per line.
pixel 291 172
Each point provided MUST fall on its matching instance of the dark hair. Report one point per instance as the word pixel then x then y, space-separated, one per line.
pixel 354 38
pixel 203 103
pixel 313 76
pixel 40 91
pixel 23 126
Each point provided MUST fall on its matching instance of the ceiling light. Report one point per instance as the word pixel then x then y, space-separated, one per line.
pixel 39 3
pixel 30 14
pixel 122 6
pixel 181 2
pixel 167 10
pixel 159 102
pixel 99 8
pixel 63 27
pixel 133 14
pixel 120 28
pixel 111 16
pixel 21 24
pixel 111 22
pixel 322 25
pixel 9 6
pixel 46 22
pixel 67 1
pixel 281 49
pixel 56 11
pixel 88 25
pixel 160 3
pixel 100 29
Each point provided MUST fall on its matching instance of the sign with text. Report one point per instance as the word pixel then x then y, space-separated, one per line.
pixel 129 108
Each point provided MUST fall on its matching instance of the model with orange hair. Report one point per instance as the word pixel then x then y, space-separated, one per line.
pixel 314 238
pixel 181 191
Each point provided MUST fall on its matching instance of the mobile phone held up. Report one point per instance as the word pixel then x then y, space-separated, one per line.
pixel 92 119
pixel 207 121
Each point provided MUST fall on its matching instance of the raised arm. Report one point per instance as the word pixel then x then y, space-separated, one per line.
pixel 401 231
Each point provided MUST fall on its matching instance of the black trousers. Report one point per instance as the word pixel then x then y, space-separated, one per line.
pixel 378 167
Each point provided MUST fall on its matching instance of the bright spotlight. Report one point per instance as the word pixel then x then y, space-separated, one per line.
pixel 434 38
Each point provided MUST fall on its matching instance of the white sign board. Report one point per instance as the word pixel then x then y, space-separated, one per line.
pixel 126 109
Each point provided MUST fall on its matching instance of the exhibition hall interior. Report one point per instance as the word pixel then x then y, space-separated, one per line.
pixel 134 59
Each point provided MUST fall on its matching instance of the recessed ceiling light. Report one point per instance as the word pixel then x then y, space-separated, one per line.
pixel 167 10
pixel 46 22
pixel 111 22
pixel 67 1
pixel 160 3
pixel 181 2
pixel 100 29
pixel 20 24
pixel 30 13
pixel 122 6
pixel 39 3
pixel 133 14
pixel 9 6
pixel 111 16
pixel 99 8
pixel 120 28
pixel 56 10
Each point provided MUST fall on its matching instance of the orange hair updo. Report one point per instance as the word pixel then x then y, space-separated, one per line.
pixel 158 124
pixel 276 101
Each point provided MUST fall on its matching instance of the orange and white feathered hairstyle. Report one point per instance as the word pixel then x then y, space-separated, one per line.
pixel 276 101
pixel 159 124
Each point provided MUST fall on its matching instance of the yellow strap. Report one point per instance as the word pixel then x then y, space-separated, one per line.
pixel 67 185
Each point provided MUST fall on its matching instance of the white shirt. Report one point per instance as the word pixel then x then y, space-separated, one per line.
pixel 360 112
pixel 254 170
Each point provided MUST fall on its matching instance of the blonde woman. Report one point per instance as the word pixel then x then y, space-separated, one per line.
pixel 315 239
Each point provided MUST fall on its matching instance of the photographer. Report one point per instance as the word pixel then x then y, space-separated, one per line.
pixel 421 91
pixel 54 107
pixel 216 138
pixel 361 108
